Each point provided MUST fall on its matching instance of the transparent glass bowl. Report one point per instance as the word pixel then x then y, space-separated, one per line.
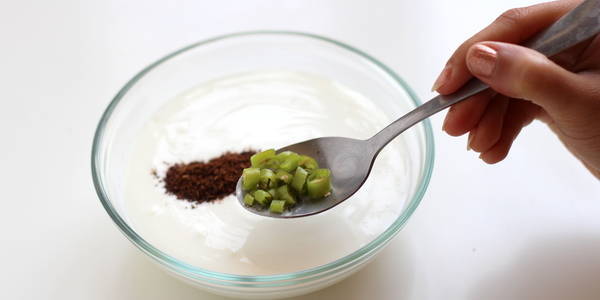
pixel 137 101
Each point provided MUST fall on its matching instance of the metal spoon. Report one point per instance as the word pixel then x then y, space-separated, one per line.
pixel 351 160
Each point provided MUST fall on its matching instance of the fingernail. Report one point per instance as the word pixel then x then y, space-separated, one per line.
pixel 442 79
pixel 444 124
pixel 446 118
pixel 471 138
pixel 481 157
pixel 482 60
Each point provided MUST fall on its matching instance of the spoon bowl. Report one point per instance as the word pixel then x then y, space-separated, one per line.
pixel 351 168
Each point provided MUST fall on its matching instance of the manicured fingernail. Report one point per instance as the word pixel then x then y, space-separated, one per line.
pixel 442 79
pixel 471 138
pixel 481 157
pixel 482 60
pixel 444 124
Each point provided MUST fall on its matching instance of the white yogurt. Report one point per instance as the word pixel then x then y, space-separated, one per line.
pixel 259 110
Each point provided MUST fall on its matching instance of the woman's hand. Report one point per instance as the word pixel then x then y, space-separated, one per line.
pixel 563 92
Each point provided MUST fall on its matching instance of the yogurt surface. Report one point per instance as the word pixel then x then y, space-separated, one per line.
pixel 259 110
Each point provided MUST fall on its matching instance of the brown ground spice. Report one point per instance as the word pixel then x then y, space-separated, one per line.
pixel 207 181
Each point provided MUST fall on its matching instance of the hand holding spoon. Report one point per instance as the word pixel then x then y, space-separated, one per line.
pixel 351 160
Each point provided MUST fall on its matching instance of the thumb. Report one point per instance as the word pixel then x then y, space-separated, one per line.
pixel 523 73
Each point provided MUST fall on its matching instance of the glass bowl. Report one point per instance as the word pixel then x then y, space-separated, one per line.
pixel 245 52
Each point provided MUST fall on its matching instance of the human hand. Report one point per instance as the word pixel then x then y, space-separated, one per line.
pixel 563 91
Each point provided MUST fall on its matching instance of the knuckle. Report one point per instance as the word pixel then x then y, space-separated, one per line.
pixel 533 74
pixel 458 57
pixel 524 83
pixel 513 16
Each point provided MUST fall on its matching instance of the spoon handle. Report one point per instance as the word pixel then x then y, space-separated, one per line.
pixel 578 25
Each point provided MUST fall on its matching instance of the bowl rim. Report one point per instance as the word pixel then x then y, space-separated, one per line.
pixel 257 280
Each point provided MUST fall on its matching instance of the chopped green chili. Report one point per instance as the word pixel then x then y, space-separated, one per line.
pixel 250 178
pixel 299 179
pixel 277 206
pixel 277 181
pixel 318 184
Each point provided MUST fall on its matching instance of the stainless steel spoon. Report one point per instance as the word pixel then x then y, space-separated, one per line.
pixel 351 160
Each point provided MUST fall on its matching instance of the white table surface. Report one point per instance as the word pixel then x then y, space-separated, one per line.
pixel 527 228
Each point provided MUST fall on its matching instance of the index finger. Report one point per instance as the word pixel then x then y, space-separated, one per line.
pixel 513 26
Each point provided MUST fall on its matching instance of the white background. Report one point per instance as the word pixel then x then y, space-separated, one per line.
pixel 527 228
